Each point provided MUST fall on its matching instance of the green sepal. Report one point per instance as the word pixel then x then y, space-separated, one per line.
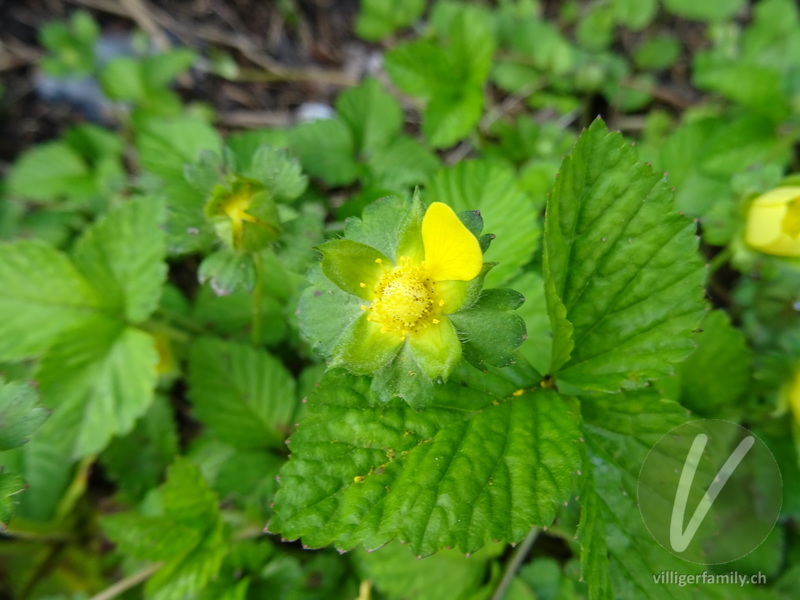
pixel 472 220
pixel 475 286
pixel 403 378
pixel 437 349
pixel 325 312
pixel 364 348
pixel 350 264
pixel 409 234
pixel 485 241
pixel 490 331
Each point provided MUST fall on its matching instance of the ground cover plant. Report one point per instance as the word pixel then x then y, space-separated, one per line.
pixel 417 342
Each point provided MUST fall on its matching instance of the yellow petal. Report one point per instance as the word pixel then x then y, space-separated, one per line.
pixel 451 251
pixel 764 224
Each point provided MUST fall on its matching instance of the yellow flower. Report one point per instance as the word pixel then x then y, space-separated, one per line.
pixel 790 396
pixel 773 223
pixel 407 302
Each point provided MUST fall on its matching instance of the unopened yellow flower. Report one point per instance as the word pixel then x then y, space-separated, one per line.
pixel 773 222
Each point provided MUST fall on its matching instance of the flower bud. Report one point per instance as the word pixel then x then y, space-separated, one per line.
pixel 773 222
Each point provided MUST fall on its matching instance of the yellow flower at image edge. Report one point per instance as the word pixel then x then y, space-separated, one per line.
pixel 407 302
pixel 773 222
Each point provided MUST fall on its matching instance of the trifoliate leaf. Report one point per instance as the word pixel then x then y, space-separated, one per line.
pixel 479 464
pixel 20 413
pixel 449 117
pixel 43 293
pixel 98 378
pixel 122 256
pixel 621 267
pixel 507 212
pixel 280 173
pixel 243 394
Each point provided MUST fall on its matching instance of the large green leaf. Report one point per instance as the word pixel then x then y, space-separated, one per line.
pixel 622 269
pixel 709 10
pixel 122 256
pixel 479 464
pixel 507 212
pixel 98 378
pixel 20 413
pixel 49 172
pixel 42 294
pixel 243 394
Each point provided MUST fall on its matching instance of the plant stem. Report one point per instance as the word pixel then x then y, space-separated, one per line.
pixel 123 585
pixel 515 563
pixel 258 292
pixel 720 259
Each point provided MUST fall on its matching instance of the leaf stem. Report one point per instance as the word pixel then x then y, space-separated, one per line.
pixel 123 585
pixel 258 293
pixel 520 553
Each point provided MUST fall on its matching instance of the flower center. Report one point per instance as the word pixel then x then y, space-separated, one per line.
pixel 791 221
pixel 405 300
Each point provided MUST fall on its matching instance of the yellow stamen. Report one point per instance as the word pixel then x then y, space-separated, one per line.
pixel 405 299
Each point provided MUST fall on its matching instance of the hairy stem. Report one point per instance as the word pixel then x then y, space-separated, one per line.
pixel 515 563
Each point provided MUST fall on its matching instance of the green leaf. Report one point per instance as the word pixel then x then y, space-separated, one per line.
pixel 122 79
pixel 634 14
pixel 718 372
pixel 122 256
pixel 400 165
pixel 592 537
pixel 98 378
pixel 227 271
pixel 159 70
pixel 49 172
pixel 188 536
pixel 42 464
pixel 479 464
pixel 137 461
pixel 20 413
pixel 244 395
pixel 507 212
pixel 375 118
pixel 279 172
pixel 657 52
pixel 620 429
pixel 166 146
pixel 420 68
pixel 450 118
pixel 449 574
pixel 327 149
pixel 10 484
pixel 710 10
pixel 380 18
pixel 43 293
pixel 621 267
